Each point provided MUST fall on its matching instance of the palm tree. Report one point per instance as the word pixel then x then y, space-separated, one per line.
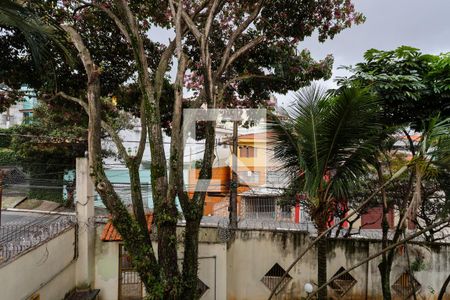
pixel 37 32
pixel 327 141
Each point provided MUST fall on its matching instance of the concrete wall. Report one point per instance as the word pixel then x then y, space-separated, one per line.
pixel 47 271
pixel 253 253
pixel 234 271
pixel 212 265
pixel 106 267
pixel 433 269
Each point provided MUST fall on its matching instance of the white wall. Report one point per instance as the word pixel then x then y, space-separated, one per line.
pixel 48 270
pixel 212 265
pixel 254 252
pixel 236 268
pixel 106 267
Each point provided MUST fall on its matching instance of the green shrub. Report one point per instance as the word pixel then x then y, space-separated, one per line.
pixel 8 157
pixel 5 138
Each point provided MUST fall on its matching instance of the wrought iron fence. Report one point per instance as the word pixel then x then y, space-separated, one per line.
pixel 18 238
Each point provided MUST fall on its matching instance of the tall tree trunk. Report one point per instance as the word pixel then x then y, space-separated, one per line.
pixel 384 267
pixel 190 262
pixel 193 213
pixel 136 238
pixel 386 264
pixel 322 246
pixel 385 272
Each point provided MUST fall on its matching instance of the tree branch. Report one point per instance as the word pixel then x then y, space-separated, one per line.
pixel 143 138
pixel 210 19
pixel 112 16
pixel 107 127
pixel 190 24
pixel 247 76
pixel 244 25
pixel 242 51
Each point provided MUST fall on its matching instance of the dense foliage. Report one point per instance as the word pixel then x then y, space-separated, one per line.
pixel 413 86
pixel 228 54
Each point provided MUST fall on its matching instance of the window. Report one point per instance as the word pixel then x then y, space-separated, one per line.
pixel 273 277
pixel 259 208
pixel 249 176
pixel 276 178
pixel 286 211
pixel 27 117
pixel 201 288
pixel 247 151
pixel 343 283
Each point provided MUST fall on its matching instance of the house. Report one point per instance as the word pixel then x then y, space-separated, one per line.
pixel 261 181
pixel 19 112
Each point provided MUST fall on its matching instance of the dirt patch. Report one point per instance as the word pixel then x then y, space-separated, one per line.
pixel 38 205
pixel 29 204
pixel 11 202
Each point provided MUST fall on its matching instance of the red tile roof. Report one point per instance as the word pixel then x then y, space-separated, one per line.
pixel 110 234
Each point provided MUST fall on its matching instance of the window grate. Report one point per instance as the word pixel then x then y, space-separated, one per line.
pixel 201 288
pixel 343 283
pixel 406 285
pixel 260 208
pixel 273 277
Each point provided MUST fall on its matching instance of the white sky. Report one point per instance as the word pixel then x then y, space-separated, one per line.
pixel 423 24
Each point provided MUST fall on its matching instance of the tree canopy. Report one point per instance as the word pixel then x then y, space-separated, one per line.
pixel 227 53
pixel 413 86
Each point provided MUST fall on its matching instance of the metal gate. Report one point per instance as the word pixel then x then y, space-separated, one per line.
pixel 130 284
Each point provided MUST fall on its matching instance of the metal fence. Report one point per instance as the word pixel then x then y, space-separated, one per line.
pixel 18 238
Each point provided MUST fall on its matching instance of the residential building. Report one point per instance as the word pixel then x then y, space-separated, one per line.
pixel 261 180
pixel 21 111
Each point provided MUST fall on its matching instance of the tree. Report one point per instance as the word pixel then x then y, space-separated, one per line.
pixel 228 48
pixel 47 145
pixel 57 131
pixel 431 157
pixel 413 86
pixel 36 32
pixel 328 143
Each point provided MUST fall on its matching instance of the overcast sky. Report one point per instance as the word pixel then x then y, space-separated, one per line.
pixel 423 24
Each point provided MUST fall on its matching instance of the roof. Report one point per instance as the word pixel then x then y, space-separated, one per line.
pixel 258 136
pixel 110 234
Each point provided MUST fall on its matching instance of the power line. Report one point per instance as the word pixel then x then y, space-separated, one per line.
pixel 83 139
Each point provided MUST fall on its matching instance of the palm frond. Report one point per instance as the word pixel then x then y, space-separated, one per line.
pixel 37 33
pixel 297 137
pixel 351 136
pixel 329 139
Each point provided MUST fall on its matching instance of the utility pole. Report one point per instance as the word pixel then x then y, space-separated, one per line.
pixel 234 179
